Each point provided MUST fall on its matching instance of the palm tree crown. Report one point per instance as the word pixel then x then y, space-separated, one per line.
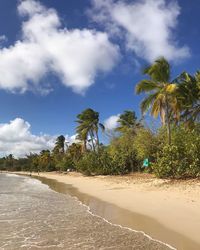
pixel 127 121
pixel 60 144
pixel 189 97
pixel 161 99
pixel 88 127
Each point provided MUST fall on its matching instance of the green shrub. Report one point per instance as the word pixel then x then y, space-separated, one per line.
pixel 93 163
pixel 146 144
pixel 65 164
pixel 181 159
pixel 168 162
pixel 123 153
pixel 121 164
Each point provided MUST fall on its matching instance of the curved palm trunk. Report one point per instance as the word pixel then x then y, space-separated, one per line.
pixel 84 146
pixel 168 122
pixel 92 137
pixel 97 136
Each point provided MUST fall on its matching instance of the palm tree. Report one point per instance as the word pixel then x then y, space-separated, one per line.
pixel 82 135
pixel 88 127
pixel 45 160
pixel 189 97
pixel 59 145
pixel 10 162
pixel 74 151
pixel 127 121
pixel 161 98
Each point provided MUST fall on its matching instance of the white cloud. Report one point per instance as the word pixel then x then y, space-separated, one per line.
pixel 148 25
pixel 16 138
pixel 74 56
pixel 112 122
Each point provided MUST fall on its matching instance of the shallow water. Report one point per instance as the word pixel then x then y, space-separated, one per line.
pixel 32 216
pixel 125 218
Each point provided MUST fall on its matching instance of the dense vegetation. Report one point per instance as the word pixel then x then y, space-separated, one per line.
pixel 173 149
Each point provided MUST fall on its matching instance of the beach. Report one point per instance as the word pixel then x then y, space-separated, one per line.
pixel 34 216
pixel 165 210
pixel 100 125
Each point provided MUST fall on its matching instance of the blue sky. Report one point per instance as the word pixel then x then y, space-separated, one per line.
pixel 60 57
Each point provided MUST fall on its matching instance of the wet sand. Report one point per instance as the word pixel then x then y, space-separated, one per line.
pixel 33 216
pixel 166 211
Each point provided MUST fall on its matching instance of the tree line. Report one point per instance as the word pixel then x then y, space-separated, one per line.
pixel 173 150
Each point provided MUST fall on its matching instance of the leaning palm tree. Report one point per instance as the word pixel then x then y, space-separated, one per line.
pixel 82 134
pixel 161 99
pixel 88 127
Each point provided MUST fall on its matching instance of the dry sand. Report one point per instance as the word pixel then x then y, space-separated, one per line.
pixel 166 210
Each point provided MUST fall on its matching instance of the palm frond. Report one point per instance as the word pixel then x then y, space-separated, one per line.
pixel 171 88
pixel 159 71
pixel 158 105
pixel 146 86
pixel 147 102
pixel 102 126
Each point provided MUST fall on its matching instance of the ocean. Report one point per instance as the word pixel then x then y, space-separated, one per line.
pixel 33 216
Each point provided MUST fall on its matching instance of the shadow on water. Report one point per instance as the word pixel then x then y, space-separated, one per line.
pixel 124 217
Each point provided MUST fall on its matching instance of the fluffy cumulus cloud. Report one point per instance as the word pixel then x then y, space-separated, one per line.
pixel 16 138
pixel 75 56
pixel 148 26
pixel 112 122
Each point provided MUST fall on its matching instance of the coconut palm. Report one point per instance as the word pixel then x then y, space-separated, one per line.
pixel 59 145
pixel 189 97
pixel 127 121
pixel 88 127
pixel 74 151
pixel 10 162
pixel 45 160
pixel 161 99
pixel 82 135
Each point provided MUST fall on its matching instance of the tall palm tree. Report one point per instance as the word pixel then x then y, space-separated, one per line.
pixel 10 162
pixel 161 98
pixel 60 144
pixel 82 134
pixel 189 97
pixel 45 160
pixel 127 121
pixel 75 151
pixel 88 127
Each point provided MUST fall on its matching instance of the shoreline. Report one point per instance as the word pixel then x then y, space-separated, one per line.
pixel 166 211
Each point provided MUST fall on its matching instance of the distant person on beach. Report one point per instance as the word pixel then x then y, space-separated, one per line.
pixel 146 163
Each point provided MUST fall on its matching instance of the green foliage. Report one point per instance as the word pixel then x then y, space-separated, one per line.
pixel 126 152
pixel 188 93
pixel 93 163
pixel 88 127
pixel 146 144
pixel 59 145
pixel 118 158
pixel 159 71
pixel 45 161
pixel 123 153
pixel 168 162
pixel 161 99
pixel 127 121
pixel 181 159
pixel 75 152
pixel 65 164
